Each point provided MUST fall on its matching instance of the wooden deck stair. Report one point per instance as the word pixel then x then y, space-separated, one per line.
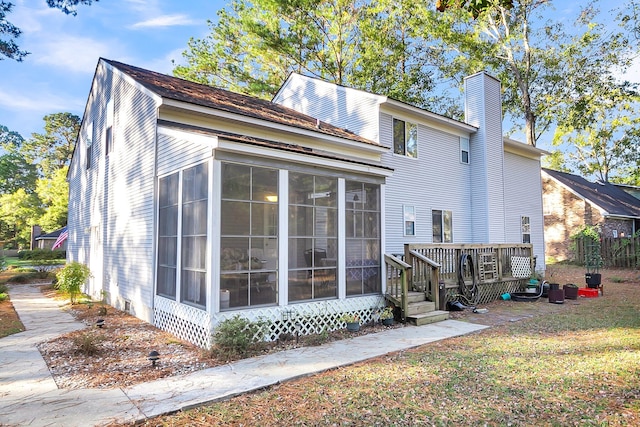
pixel 420 311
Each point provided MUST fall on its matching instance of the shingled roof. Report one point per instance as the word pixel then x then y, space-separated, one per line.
pixel 209 96
pixel 612 199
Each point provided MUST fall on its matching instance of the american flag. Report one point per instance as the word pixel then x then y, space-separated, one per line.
pixel 61 238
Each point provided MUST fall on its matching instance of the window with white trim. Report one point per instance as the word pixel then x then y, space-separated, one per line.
pixel 442 226
pixel 108 145
pixel 405 138
pixel 526 229
pixel 464 150
pixel 183 199
pixel 89 145
pixel 409 215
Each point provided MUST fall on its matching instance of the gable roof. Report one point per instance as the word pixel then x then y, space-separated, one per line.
pixel 51 236
pixel 178 89
pixel 611 199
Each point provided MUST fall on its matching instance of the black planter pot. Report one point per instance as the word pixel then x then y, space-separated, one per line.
pixel 556 296
pixel 593 279
pixel 570 292
pixel 554 286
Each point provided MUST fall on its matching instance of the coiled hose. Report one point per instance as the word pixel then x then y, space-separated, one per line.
pixel 468 294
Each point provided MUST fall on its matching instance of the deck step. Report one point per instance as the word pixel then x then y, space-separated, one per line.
pixel 411 297
pixel 426 318
pixel 421 307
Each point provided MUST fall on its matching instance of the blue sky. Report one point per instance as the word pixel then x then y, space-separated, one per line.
pixel 56 76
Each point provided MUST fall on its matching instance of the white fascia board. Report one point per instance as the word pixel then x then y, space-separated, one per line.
pixel 157 98
pixel 442 120
pixel 265 152
pixel 522 149
pixel 207 111
pixel 575 193
pixel 613 216
pixel 209 141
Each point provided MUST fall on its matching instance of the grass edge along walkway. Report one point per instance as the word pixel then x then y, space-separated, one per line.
pixel 579 367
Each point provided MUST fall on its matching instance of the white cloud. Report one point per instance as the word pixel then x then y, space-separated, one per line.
pixel 74 54
pixel 165 21
pixel 37 101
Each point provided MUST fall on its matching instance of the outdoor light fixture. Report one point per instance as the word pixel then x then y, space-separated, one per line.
pixel 100 323
pixel 153 356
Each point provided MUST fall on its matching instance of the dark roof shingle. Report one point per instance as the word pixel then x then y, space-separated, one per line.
pixel 609 197
pixel 209 96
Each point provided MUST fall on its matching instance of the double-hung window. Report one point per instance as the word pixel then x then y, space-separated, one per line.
pixel 108 146
pixel 405 138
pixel 442 226
pixel 409 215
pixel 526 229
pixel 464 150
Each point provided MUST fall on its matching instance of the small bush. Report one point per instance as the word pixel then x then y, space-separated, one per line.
pixel 3 263
pixel 4 296
pixel 234 337
pixel 28 277
pixel 41 254
pixel 88 343
pixel 3 288
pixel 71 278
pixel 616 279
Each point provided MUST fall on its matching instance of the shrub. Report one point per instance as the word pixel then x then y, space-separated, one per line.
pixel 88 343
pixel 3 288
pixel 28 277
pixel 3 263
pixel 4 296
pixel 234 337
pixel 41 255
pixel 71 278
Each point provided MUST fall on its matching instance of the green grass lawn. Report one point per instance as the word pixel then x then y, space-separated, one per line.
pixel 577 368
pixel 17 263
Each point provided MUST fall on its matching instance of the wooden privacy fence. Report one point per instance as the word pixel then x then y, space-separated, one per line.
pixel 620 252
pixel 436 270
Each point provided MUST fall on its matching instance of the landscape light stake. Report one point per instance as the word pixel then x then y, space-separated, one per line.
pixel 153 357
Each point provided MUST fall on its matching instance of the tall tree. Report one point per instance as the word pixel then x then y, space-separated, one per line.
pixel 370 45
pixel 54 196
pixel 9 33
pixel 53 149
pixel 15 173
pixel 19 211
pixel 530 53
pixel 10 141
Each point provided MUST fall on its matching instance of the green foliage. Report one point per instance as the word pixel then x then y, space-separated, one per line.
pixel 3 263
pixel 52 150
pixel 71 278
pixel 234 337
pixel 4 296
pixel 3 288
pixel 587 231
pixel 88 343
pixel 41 254
pixel 374 46
pixel 386 313
pixel 350 318
pixel 54 195
pixel 16 173
pixel 20 210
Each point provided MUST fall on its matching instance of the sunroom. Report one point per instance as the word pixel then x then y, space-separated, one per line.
pixel 269 231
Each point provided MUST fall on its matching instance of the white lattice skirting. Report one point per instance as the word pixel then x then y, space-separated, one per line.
pixel 195 326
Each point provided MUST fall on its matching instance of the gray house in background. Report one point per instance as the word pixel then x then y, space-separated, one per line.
pixel 192 204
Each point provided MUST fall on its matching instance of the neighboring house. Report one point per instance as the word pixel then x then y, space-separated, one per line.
pixel 571 202
pixel 453 181
pixel 46 241
pixel 192 204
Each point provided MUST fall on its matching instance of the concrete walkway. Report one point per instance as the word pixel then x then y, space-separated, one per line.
pixel 29 396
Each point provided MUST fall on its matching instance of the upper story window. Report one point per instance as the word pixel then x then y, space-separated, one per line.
pixel 442 226
pixel 89 145
pixel 405 138
pixel 464 150
pixel 526 229
pixel 108 144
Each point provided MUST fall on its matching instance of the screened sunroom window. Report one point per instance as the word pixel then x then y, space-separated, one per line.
pixel 313 237
pixel 362 238
pixel 193 277
pixel 249 236
pixel 183 199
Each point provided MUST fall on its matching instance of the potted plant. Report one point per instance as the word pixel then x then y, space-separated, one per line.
pixel 386 316
pixel 570 291
pixel 592 259
pixel 352 321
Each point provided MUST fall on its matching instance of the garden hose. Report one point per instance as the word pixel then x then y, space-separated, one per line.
pixel 468 294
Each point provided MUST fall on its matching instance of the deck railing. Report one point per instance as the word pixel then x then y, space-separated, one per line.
pixel 435 269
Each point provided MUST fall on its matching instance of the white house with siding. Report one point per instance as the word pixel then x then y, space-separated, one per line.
pixel 192 204
pixel 453 181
